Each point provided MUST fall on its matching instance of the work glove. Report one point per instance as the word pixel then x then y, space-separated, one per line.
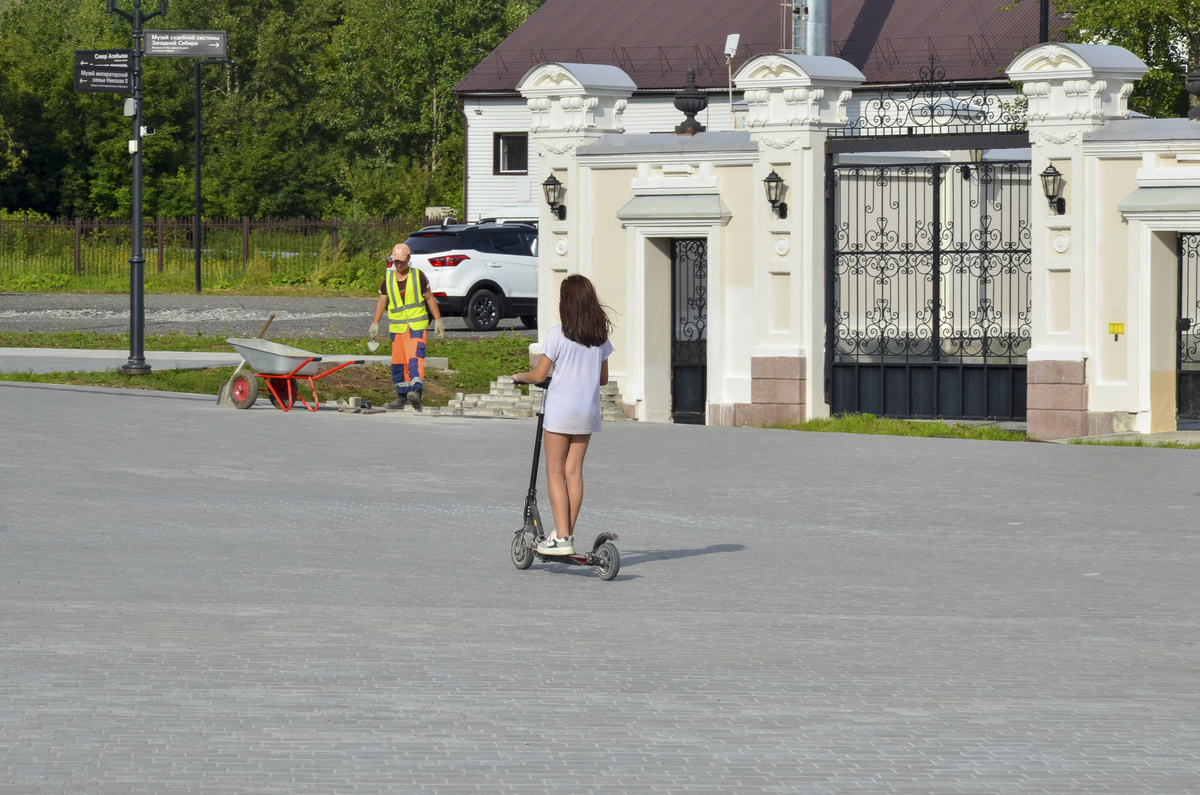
pixel 373 331
pixel 439 329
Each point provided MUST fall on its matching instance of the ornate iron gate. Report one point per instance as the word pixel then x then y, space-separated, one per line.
pixel 1187 382
pixel 929 289
pixel 689 330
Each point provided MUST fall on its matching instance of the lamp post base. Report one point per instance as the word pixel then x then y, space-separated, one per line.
pixel 135 367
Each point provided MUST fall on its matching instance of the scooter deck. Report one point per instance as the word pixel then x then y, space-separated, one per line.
pixel 578 560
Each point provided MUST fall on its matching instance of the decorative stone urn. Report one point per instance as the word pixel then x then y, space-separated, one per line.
pixel 690 101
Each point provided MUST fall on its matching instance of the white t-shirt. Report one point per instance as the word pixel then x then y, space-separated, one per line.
pixel 573 402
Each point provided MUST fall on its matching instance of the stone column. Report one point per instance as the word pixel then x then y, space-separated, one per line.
pixel 793 102
pixel 573 106
pixel 1072 90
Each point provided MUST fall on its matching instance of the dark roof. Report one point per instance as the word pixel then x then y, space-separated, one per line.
pixel 657 41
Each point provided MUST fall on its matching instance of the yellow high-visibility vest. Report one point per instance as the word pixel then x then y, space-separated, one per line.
pixel 411 315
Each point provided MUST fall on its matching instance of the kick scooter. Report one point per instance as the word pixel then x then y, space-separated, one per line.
pixel 604 555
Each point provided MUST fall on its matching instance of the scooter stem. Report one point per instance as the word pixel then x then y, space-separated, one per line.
pixel 537 442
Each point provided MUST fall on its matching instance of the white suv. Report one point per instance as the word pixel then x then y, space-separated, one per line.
pixel 483 272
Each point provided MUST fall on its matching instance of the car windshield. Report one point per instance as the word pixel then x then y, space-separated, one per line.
pixel 431 243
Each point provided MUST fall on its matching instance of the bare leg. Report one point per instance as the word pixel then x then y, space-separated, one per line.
pixel 564 477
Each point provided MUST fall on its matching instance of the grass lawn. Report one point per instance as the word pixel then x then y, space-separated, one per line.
pixel 870 424
pixel 474 364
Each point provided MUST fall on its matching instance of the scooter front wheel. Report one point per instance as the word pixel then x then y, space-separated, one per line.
pixel 522 555
pixel 608 560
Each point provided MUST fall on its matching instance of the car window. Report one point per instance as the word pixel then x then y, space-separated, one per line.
pixel 431 243
pixel 530 239
pixel 480 243
pixel 507 243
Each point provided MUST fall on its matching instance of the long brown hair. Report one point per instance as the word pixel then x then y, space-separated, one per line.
pixel 583 317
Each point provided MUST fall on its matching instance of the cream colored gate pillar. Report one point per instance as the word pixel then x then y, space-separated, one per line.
pixel 793 100
pixel 1072 90
pixel 573 106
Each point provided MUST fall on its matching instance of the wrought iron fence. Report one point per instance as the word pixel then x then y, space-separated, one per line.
pixel 1188 369
pixel 934 105
pixel 932 263
pixel 281 248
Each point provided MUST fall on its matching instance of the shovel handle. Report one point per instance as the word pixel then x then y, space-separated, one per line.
pixel 266 326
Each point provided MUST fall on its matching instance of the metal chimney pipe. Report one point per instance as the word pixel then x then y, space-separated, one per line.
pixel 817 30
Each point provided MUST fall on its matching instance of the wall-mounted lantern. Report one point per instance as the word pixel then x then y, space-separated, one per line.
pixel 774 186
pixel 553 189
pixel 976 159
pixel 1052 185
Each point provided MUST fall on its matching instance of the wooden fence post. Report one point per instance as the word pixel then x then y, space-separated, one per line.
pixel 78 249
pixel 245 241
pixel 160 245
pixel 333 239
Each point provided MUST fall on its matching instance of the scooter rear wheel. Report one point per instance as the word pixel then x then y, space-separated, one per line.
pixel 608 560
pixel 522 555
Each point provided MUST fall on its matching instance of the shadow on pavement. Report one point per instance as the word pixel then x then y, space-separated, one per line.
pixel 647 555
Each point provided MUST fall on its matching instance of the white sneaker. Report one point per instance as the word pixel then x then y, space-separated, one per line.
pixel 553 545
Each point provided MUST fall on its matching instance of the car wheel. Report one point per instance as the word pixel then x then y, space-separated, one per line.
pixel 483 311
pixel 530 321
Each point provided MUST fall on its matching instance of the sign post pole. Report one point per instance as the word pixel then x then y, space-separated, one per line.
pixel 137 263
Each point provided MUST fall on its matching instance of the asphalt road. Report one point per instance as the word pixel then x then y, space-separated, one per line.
pixel 232 316
pixel 203 599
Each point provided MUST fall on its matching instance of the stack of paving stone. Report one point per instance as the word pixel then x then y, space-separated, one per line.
pixel 506 399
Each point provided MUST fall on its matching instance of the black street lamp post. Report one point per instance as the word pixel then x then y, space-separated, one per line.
pixel 137 263
pixel 196 219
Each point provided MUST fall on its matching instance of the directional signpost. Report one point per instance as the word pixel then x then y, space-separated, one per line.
pixel 104 71
pixel 206 44
pixel 185 44
pixel 120 72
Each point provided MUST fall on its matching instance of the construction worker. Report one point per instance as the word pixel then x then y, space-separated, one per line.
pixel 405 293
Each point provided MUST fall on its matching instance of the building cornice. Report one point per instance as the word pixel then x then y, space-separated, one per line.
pixel 635 159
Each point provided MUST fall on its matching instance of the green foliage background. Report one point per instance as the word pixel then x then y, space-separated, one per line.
pixel 1163 33
pixel 334 107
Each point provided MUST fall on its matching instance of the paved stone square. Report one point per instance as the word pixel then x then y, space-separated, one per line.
pixel 202 599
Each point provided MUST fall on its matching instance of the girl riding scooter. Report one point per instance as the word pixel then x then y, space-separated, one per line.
pixel 578 350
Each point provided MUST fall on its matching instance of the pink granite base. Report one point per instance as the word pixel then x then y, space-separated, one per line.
pixel 1056 400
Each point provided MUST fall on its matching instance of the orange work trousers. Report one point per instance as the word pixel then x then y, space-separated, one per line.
pixel 408 361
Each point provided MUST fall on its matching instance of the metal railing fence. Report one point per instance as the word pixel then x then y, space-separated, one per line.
pixel 277 249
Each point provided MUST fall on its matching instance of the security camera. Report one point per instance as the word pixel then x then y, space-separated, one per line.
pixel 147 130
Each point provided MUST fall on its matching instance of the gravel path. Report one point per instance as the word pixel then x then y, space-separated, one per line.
pixel 235 315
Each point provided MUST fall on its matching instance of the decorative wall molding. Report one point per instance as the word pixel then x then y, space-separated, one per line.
pixel 675 178
pixel 780 143
pixel 803 104
pixel 548 148
pixel 1041 138
pixel 1038 94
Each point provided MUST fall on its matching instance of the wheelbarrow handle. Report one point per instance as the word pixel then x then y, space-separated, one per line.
pixel 339 367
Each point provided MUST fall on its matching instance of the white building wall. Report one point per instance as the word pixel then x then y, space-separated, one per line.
pixel 485 190
pixel 486 116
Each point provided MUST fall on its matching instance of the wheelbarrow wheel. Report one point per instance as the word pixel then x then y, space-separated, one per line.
pixel 243 390
pixel 282 386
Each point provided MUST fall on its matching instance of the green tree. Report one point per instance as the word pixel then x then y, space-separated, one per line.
pixel 332 107
pixel 1163 33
